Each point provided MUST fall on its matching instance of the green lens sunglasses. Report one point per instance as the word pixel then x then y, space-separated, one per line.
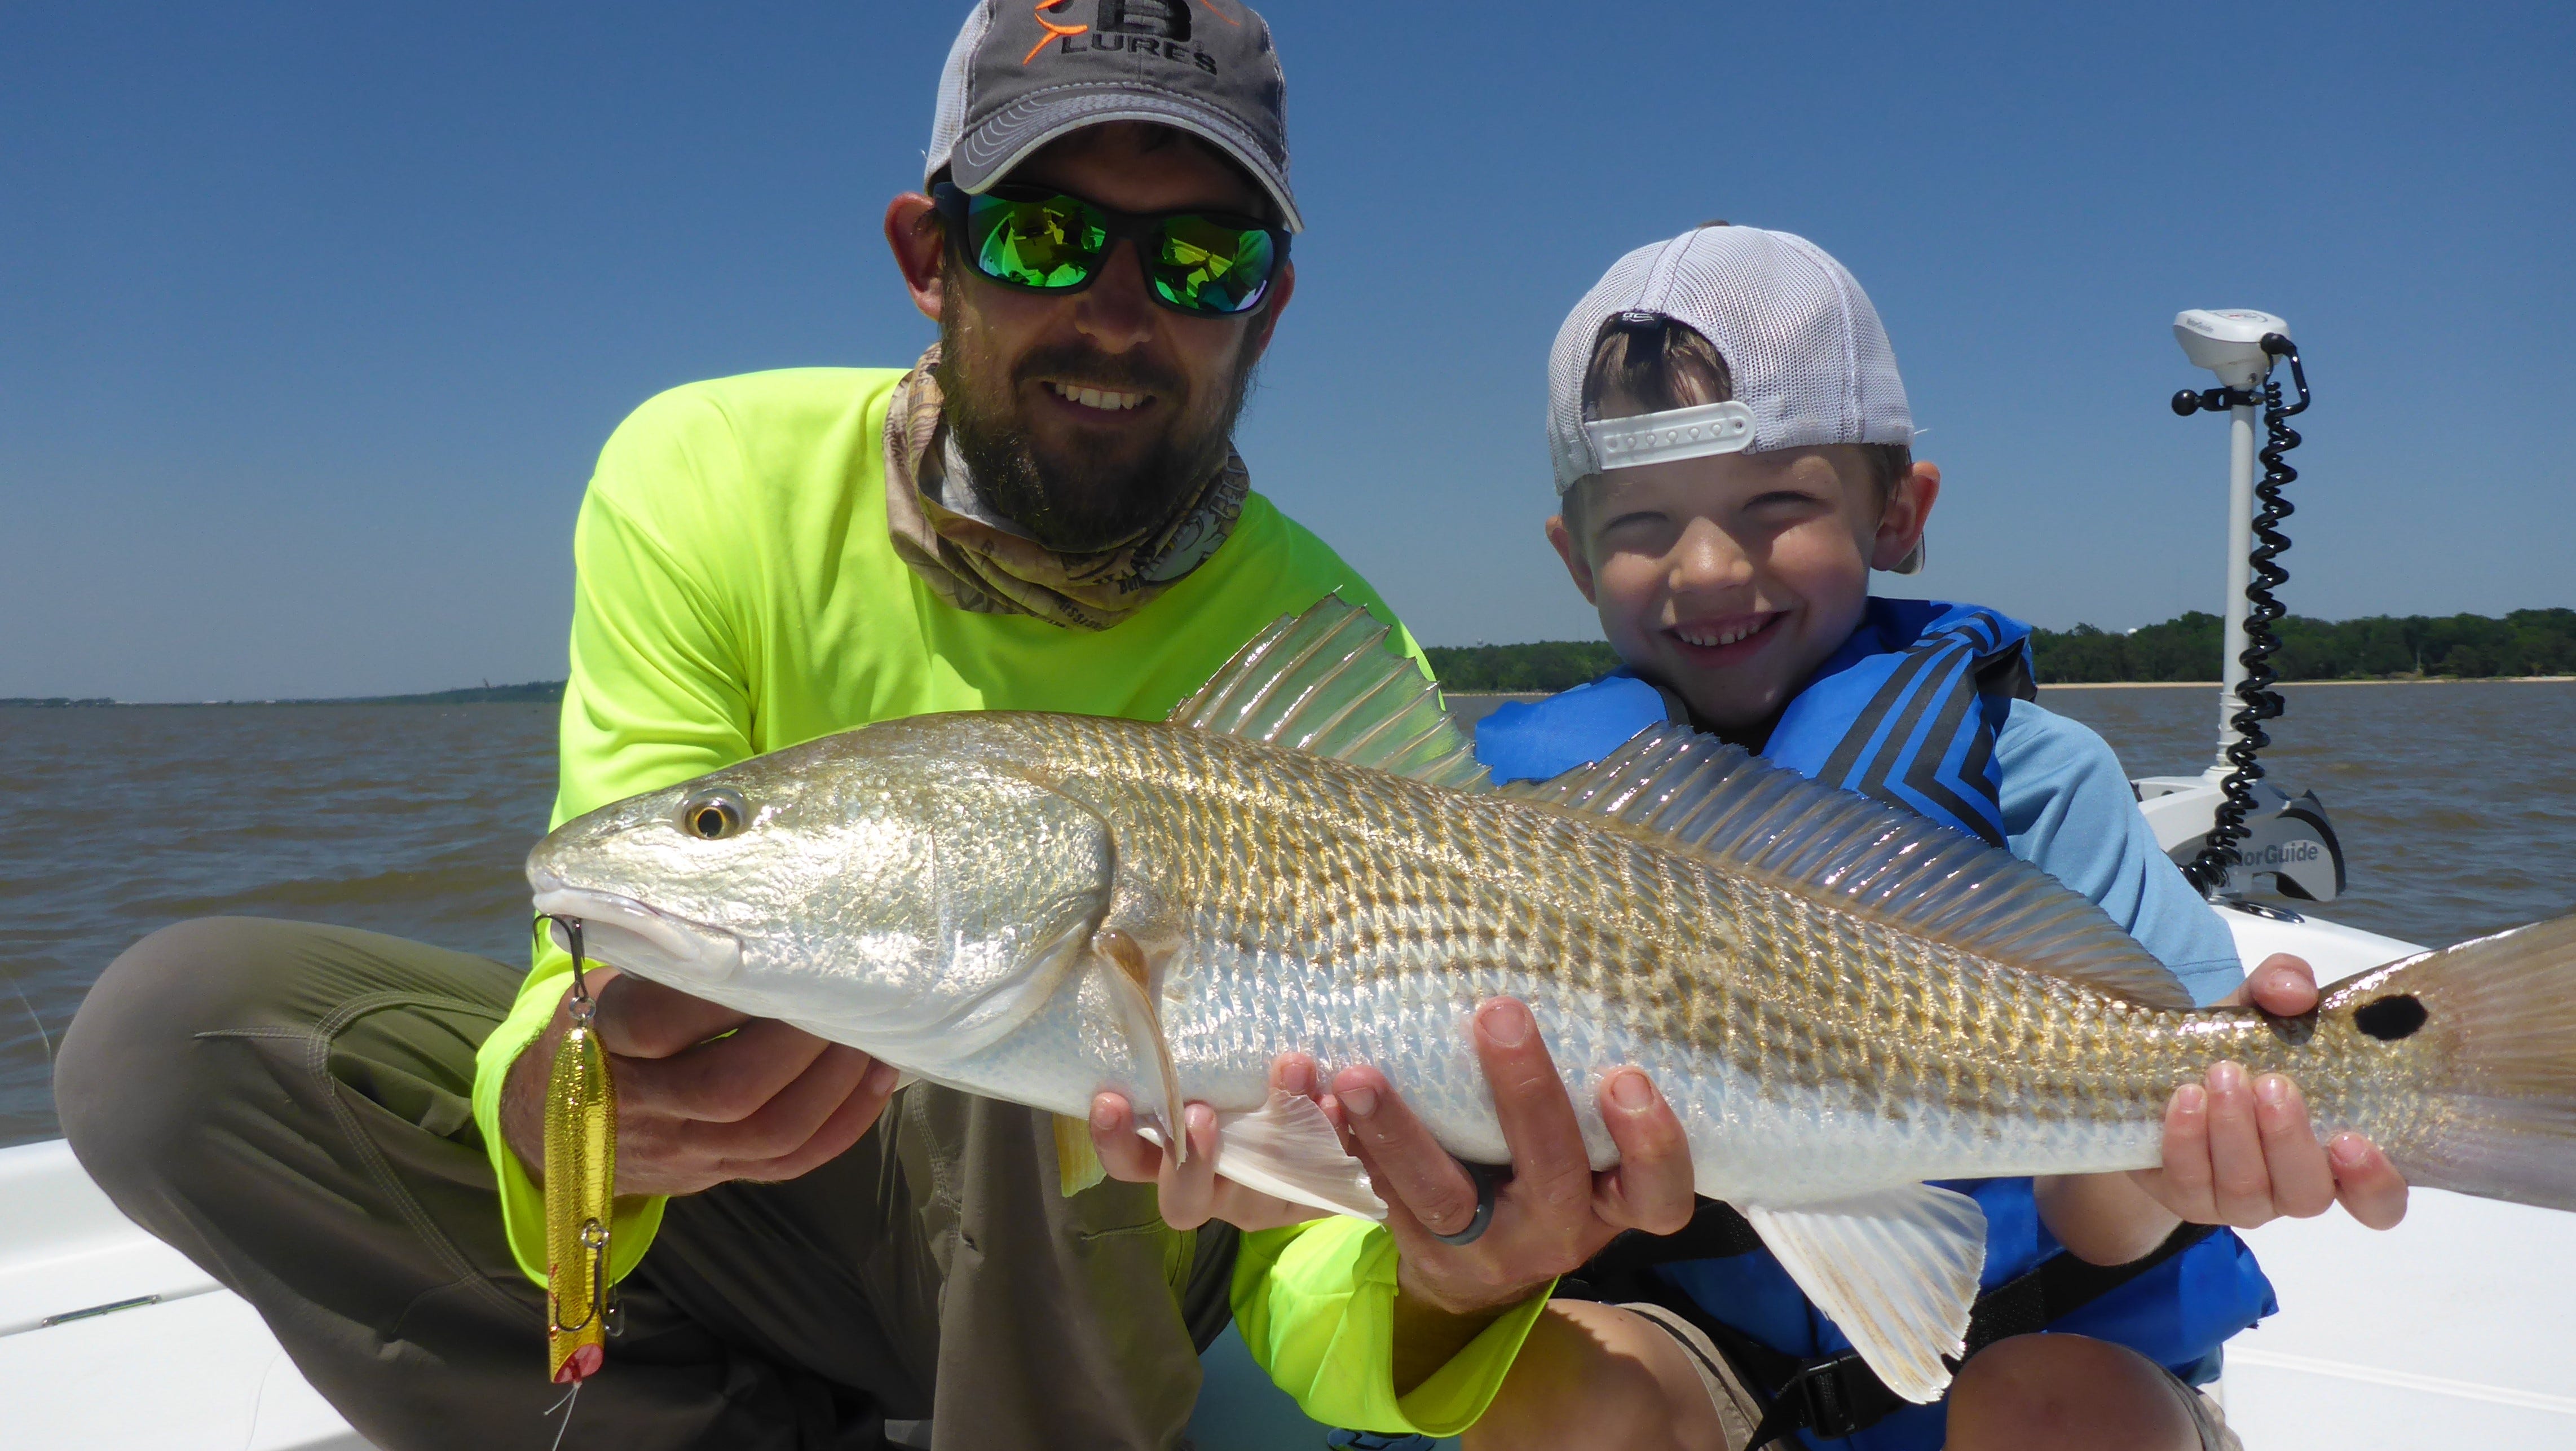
pixel 1206 264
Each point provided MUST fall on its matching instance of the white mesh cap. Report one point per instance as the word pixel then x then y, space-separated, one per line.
pixel 1809 356
pixel 1021 75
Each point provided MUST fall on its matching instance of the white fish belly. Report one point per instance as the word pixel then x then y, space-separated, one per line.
pixel 1750 1142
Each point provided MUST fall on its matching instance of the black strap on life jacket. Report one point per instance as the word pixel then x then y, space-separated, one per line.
pixel 1837 1395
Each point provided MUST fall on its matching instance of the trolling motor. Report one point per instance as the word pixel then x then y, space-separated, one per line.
pixel 2228 828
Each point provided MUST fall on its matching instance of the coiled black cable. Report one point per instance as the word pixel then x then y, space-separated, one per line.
pixel 2218 855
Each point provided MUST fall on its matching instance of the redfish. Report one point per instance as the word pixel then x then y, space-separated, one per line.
pixel 1841 1000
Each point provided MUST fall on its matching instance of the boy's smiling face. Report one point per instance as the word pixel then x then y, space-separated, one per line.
pixel 1730 579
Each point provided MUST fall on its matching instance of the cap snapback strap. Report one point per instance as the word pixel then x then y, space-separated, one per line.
pixel 1679 433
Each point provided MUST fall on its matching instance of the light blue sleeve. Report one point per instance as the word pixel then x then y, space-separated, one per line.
pixel 2068 810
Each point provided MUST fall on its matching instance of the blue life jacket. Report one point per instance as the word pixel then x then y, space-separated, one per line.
pixel 1907 712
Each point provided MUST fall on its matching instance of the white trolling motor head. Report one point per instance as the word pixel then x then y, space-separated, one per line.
pixel 2229 342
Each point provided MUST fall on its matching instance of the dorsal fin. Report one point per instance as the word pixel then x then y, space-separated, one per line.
pixel 1776 825
pixel 1327 682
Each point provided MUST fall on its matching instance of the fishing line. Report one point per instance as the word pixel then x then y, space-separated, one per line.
pixel 566 1406
pixel 32 1016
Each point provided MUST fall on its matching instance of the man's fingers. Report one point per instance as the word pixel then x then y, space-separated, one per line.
pixel 841 1129
pixel 723 1082
pixel 2240 1181
pixel 1651 1187
pixel 1295 1074
pixel 2283 986
pixel 1124 1153
pixel 1403 1159
pixel 641 1019
pixel 1548 1158
pixel 2370 1187
pixel 2302 1185
pixel 793 1114
pixel 1188 1190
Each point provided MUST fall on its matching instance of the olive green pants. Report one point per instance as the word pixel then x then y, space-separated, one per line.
pixel 289 1106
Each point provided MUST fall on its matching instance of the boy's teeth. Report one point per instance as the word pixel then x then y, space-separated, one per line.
pixel 1106 400
pixel 1711 639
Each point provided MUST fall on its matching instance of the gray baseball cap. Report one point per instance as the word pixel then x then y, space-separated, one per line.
pixel 1024 72
pixel 1811 360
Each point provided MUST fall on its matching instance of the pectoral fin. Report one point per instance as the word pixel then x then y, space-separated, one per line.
pixel 1131 986
pixel 1896 1271
pixel 1288 1148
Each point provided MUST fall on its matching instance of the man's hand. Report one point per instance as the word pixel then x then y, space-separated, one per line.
pixel 695 1108
pixel 1192 1193
pixel 2242 1153
pixel 1555 1213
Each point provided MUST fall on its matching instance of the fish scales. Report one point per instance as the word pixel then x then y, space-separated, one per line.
pixel 1344 910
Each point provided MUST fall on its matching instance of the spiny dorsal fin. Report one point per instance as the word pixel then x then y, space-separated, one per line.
pixel 1777 825
pixel 1327 682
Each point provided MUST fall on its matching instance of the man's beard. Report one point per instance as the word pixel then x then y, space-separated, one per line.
pixel 1081 499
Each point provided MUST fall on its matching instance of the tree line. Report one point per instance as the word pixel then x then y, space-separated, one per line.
pixel 2186 647
pixel 2379 647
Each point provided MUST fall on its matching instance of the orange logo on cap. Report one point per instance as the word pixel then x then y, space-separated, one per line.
pixel 1053 30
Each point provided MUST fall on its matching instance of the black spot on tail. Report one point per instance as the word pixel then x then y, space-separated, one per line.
pixel 2390 1018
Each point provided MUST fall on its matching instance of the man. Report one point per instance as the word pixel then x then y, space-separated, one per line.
pixel 1045 512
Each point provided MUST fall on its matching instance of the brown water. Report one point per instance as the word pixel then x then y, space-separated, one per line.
pixel 2454 804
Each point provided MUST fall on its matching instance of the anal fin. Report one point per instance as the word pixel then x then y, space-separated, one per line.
pixel 1896 1271
pixel 1288 1148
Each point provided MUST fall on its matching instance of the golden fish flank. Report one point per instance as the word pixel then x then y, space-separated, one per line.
pixel 1841 1000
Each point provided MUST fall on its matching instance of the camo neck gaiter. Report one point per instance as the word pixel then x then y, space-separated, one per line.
pixel 977 560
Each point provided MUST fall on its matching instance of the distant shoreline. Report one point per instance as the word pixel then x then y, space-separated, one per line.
pixel 550 692
pixel 534 692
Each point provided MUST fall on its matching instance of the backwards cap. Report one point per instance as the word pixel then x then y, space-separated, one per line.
pixel 1024 72
pixel 1810 359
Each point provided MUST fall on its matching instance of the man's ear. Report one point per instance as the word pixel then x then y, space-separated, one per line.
pixel 913 230
pixel 1909 508
pixel 1282 288
pixel 1570 549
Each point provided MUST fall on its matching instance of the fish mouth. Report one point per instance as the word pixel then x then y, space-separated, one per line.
pixel 634 936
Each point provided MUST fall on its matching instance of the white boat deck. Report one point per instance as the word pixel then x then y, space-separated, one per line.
pixel 184 1366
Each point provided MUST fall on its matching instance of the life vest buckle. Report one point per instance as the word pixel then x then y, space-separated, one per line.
pixel 1834 1397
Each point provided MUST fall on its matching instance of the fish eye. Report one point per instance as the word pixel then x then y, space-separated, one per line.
pixel 713 815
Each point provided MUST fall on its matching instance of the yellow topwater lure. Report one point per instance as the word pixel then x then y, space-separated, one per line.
pixel 581 1174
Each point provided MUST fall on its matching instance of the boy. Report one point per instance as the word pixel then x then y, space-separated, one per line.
pixel 1732 444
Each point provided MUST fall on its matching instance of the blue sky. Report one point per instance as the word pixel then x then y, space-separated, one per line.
pixel 313 316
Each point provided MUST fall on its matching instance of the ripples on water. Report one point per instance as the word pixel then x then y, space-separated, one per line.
pixel 403 819
pixel 2453 802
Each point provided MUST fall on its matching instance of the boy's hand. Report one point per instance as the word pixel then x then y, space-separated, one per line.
pixel 1191 1194
pixel 2242 1153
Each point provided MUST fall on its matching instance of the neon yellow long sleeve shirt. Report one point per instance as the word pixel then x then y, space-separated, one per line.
pixel 736 593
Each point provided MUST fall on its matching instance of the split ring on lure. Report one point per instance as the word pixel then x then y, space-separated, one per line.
pixel 581 1174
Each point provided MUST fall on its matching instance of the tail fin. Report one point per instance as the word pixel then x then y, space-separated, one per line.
pixel 2498 1014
